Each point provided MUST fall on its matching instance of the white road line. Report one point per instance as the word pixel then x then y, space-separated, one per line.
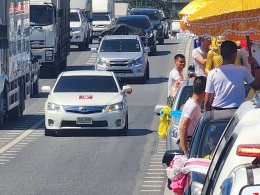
pixel 5 138
pixel 155 166
pixel 36 135
pixel 2 163
pixel 156 169
pixel 154 177
pixel 23 143
pixel 150 190
pixel 152 186
pixel 161 152
pixel 157 162
pixel 12 154
pixel 155 173
pixel 14 133
pixel 4 160
pixel 12 151
pixel 21 137
pixel 153 181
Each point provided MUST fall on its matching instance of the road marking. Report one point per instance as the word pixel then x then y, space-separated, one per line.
pixel 153 181
pixel 36 135
pixel 12 154
pixel 155 173
pixel 155 166
pixel 4 160
pixel 152 186
pixel 23 143
pixel 156 169
pixel 154 177
pixel 2 163
pixel 157 162
pixel 14 133
pixel 20 137
pixel 151 190
pixel 12 151
pixel 5 138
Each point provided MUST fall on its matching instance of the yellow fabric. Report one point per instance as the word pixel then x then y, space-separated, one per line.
pixel 230 18
pixel 165 121
pixel 193 7
pixel 209 157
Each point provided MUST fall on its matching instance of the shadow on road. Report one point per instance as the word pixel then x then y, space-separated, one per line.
pixel 101 133
pixel 80 67
pixel 157 80
pixel 162 53
pixel 77 50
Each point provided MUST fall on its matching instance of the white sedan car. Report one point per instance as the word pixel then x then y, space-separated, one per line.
pixel 86 100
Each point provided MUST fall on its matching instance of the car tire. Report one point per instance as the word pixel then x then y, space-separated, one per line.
pixel 143 79
pixel 48 132
pixel 124 131
pixel 161 41
pixel 147 71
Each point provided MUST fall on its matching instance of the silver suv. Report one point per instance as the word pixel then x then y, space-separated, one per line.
pixel 125 55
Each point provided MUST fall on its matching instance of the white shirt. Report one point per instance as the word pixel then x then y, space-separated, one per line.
pixel 199 68
pixel 174 76
pixel 192 111
pixel 227 83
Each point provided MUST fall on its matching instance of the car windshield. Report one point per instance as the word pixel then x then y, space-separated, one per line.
pixel 151 15
pixel 74 17
pixel 101 17
pixel 99 84
pixel 120 45
pixel 137 23
pixel 186 94
pixel 211 135
pixel 41 15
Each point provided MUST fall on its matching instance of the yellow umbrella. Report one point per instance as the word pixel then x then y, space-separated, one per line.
pixel 193 7
pixel 230 18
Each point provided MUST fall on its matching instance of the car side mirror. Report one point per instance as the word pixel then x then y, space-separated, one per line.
pixel 158 109
pixel 46 89
pixel 127 89
pixel 168 156
pixel 93 50
pixel 147 49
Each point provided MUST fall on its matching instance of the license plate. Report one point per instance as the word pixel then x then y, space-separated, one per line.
pixel 84 120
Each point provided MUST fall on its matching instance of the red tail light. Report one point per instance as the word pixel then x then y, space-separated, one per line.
pixel 252 150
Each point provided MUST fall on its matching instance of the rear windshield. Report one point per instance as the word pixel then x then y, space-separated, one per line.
pixel 138 23
pixel 101 17
pixel 151 15
pixel 74 17
pixel 120 45
pixel 86 84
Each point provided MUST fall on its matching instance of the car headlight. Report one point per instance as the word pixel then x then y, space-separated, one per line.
pixel 196 188
pixel 115 107
pixel 54 107
pixel 102 62
pixel 49 55
pixel 76 29
pixel 175 132
pixel 138 61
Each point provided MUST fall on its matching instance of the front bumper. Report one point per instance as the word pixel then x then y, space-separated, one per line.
pixel 125 72
pixel 65 120
pixel 76 37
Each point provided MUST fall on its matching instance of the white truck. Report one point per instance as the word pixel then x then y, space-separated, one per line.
pixel 103 15
pixel 50 34
pixel 18 72
pixel 121 9
pixel 85 6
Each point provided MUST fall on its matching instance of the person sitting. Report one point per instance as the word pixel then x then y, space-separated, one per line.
pixel 225 85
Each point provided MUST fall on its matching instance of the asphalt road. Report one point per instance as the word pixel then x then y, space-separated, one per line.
pixel 89 162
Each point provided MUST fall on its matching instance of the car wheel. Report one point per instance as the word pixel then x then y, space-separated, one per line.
pixel 161 41
pixel 147 71
pixel 143 79
pixel 123 132
pixel 48 132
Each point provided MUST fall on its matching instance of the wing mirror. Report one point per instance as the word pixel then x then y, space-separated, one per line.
pixel 46 89
pixel 147 49
pixel 158 109
pixel 127 89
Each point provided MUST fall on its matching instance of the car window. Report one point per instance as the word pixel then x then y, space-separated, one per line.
pixel 120 45
pixel 185 95
pixel 210 137
pixel 151 15
pixel 86 84
pixel 74 17
pixel 41 15
pixel 101 17
pixel 137 23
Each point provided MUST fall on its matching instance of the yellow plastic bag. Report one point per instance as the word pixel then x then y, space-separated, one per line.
pixel 165 121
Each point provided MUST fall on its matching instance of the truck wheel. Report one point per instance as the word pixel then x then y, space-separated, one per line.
pixel 82 46
pixel 3 104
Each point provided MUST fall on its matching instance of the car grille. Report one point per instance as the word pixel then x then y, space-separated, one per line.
pixel 37 43
pixel 121 63
pixel 84 109
pixel 122 71
pixel 94 124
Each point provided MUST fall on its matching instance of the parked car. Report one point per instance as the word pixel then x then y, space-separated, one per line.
pixel 78 29
pixel 158 20
pixel 235 165
pixel 205 138
pixel 125 55
pixel 144 23
pixel 73 105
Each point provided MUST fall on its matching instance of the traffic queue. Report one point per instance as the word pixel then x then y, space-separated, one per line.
pixel 212 137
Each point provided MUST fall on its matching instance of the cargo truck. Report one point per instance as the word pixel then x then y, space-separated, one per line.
pixel 103 15
pixel 50 34
pixel 19 71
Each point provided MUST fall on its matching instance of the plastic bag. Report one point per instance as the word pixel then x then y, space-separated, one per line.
pixel 165 121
